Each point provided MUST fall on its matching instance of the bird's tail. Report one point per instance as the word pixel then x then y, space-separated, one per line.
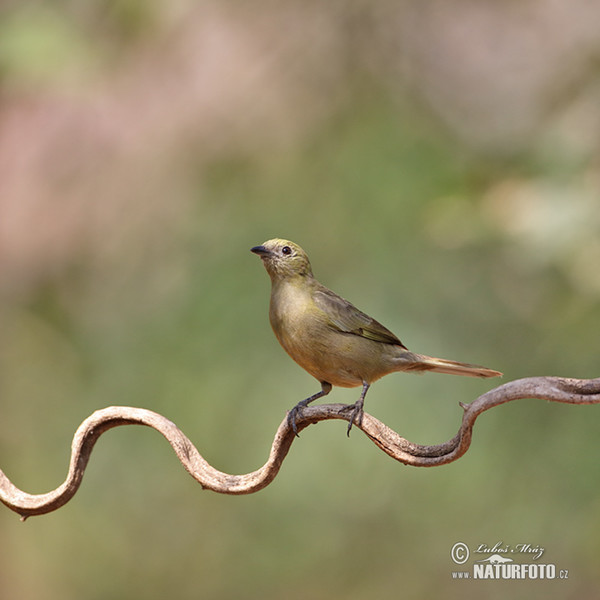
pixel 419 362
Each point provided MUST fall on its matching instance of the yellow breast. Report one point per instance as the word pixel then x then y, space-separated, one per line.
pixel 307 336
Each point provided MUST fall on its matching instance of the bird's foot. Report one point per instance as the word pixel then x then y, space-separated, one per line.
pixel 357 408
pixel 356 415
pixel 293 414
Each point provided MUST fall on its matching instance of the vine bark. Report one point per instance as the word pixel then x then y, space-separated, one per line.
pixel 554 389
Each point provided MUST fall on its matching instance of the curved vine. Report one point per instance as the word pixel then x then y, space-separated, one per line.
pixel 555 389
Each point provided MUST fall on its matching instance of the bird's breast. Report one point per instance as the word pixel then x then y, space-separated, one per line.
pixel 306 334
pixel 293 315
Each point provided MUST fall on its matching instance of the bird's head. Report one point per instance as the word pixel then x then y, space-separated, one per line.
pixel 283 259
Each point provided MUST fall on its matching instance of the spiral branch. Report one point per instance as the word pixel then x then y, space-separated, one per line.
pixel 554 389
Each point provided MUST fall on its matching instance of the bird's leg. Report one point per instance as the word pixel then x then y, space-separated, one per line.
pixel 357 408
pixel 325 389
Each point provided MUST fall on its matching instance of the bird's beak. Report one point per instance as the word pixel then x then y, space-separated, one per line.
pixel 260 250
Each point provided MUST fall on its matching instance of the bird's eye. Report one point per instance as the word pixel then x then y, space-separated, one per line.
pixel 286 250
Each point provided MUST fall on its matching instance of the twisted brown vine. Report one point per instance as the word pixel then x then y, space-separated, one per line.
pixel 555 389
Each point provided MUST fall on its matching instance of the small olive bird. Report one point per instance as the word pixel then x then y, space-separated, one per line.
pixel 330 338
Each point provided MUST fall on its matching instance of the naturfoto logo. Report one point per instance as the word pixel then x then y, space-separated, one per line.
pixel 502 561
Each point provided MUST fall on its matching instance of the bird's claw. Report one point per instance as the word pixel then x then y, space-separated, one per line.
pixel 291 419
pixel 356 416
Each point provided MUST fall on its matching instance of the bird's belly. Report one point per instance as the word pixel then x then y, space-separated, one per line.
pixel 342 359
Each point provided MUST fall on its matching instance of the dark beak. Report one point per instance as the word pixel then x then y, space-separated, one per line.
pixel 260 250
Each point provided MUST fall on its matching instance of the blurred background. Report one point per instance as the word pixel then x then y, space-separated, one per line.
pixel 440 164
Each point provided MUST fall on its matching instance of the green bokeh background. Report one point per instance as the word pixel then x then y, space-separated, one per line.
pixel 146 147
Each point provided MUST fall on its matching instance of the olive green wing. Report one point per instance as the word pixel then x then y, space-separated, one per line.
pixel 345 317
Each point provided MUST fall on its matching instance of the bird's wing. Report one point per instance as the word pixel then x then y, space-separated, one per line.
pixel 345 317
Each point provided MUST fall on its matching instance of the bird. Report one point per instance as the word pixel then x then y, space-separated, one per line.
pixel 335 342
